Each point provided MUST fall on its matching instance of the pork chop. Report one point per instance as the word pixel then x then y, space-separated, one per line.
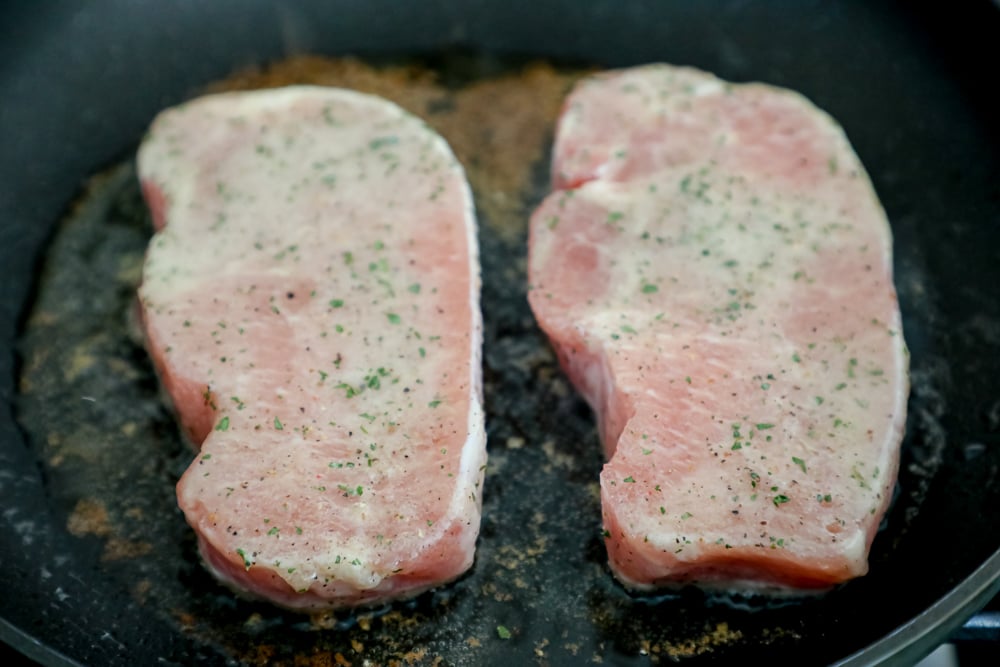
pixel 714 271
pixel 311 303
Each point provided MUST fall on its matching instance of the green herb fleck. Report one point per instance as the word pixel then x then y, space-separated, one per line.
pixel 223 424
pixel 649 288
pixel 393 318
pixel 799 462
pixel 780 499
pixel 503 632
pixel 381 142
pixel 336 303
pixel 278 425
pixel 349 391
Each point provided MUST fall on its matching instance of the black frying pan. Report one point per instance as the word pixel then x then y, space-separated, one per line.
pixel 912 88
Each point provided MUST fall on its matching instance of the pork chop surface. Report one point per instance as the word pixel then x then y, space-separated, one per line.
pixel 311 303
pixel 714 271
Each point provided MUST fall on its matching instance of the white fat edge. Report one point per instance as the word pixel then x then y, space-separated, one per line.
pixel 854 547
pixel 361 576
pixel 849 160
pixel 355 568
pixel 467 499
pixel 711 86
pixel 683 547
pixel 889 448
pixel 853 550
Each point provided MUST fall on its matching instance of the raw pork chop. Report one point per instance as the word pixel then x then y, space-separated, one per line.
pixel 715 273
pixel 311 301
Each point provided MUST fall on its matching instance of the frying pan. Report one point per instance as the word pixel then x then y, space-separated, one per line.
pixel 912 88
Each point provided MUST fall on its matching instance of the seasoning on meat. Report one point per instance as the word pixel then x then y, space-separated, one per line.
pixel 311 303
pixel 714 270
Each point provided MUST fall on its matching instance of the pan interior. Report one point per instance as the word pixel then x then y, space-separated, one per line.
pixel 108 451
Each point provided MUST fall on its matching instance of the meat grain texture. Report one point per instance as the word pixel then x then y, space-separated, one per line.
pixel 311 303
pixel 715 273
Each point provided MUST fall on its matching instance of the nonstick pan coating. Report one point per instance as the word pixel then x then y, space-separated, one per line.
pixel 80 85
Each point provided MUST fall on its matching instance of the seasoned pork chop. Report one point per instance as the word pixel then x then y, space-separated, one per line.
pixel 311 301
pixel 715 273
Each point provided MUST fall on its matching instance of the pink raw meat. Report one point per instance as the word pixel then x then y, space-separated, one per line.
pixel 715 272
pixel 311 302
